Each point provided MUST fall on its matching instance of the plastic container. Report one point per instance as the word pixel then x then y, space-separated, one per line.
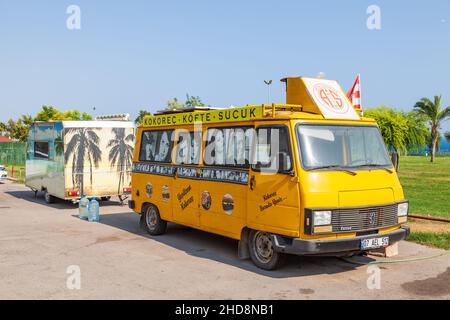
pixel 94 211
pixel 83 207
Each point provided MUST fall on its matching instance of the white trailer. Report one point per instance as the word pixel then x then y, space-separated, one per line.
pixel 66 159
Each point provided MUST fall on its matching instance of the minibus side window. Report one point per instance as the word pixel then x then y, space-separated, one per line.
pixel 273 151
pixel 156 146
pixel 188 147
pixel 41 150
pixel 228 146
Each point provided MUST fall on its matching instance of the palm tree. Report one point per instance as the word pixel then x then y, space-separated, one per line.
pixel 121 153
pixel 83 144
pixel 432 111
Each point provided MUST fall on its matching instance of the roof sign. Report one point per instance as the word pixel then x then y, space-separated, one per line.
pixel 330 98
pixel 219 115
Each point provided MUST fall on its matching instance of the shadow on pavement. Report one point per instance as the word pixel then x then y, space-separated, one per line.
pixel 59 203
pixel 221 249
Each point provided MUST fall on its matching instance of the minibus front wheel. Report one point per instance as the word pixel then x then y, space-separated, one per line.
pixel 152 221
pixel 262 251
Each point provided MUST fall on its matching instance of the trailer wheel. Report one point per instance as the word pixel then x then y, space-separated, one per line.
pixel 48 197
pixel 262 251
pixel 152 221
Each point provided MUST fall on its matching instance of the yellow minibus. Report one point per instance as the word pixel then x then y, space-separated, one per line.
pixel 308 177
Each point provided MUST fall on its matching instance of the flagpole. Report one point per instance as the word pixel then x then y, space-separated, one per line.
pixel 360 95
pixel 360 91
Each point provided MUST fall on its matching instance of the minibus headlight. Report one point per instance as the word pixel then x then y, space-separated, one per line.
pixel 322 218
pixel 402 210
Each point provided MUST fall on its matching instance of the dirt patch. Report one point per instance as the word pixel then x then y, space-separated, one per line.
pixel 441 179
pixel 306 291
pixel 429 226
pixel 107 239
pixel 437 286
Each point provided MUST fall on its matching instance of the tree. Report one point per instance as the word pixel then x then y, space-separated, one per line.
pixel 447 136
pixel 141 115
pixel 174 105
pixel 402 131
pixel 191 102
pixel 17 129
pixel 75 115
pixel 49 113
pixel 417 133
pixel 393 126
pixel 3 128
pixel 121 153
pixel 435 116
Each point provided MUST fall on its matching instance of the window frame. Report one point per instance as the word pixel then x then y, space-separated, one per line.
pixel 172 144
pixel 299 145
pixel 286 127
pixel 175 148
pixel 48 151
pixel 225 165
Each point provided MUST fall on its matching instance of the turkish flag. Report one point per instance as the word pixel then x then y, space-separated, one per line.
pixel 354 95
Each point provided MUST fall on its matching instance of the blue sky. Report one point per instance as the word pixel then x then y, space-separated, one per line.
pixel 132 55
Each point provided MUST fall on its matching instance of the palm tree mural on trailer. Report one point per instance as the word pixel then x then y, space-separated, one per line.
pixel 121 153
pixel 83 145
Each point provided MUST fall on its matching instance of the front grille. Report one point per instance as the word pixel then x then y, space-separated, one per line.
pixel 364 218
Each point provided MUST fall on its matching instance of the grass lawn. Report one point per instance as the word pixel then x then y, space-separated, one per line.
pixel 435 239
pixel 426 185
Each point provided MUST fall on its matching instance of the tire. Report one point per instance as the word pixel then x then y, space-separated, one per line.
pixel 152 222
pixel 48 197
pixel 262 251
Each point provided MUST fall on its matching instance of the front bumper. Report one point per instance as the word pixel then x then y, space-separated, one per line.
pixel 310 247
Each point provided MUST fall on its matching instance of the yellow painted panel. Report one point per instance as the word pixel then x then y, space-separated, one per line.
pixel 365 197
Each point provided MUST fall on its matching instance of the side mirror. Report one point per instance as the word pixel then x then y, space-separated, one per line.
pixel 395 159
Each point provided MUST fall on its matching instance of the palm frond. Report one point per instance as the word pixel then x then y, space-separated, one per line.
pixel 96 153
pixel 444 114
pixel 72 146
pixel 130 137
pixel 92 136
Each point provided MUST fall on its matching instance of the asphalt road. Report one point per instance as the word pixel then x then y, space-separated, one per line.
pixel 116 260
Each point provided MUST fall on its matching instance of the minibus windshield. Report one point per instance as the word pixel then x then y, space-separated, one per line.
pixel 338 146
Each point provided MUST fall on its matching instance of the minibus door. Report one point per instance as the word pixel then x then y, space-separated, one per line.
pixel 273 195
pixel 185 206
pixel 186 200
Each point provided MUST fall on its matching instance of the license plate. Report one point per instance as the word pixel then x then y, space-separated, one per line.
pixel 374 243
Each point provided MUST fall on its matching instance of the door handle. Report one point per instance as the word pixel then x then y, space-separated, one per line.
pixel 252 182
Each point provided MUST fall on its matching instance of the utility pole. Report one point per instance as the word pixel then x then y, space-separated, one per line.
pixel 268 83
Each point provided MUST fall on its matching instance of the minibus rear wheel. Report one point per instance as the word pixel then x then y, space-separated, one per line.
pixel 262 251
pixel 152 221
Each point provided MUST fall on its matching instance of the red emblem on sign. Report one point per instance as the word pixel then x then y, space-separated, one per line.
pixel 329 97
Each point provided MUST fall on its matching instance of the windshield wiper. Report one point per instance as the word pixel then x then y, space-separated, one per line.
pixel 335 166
pixel 377 166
